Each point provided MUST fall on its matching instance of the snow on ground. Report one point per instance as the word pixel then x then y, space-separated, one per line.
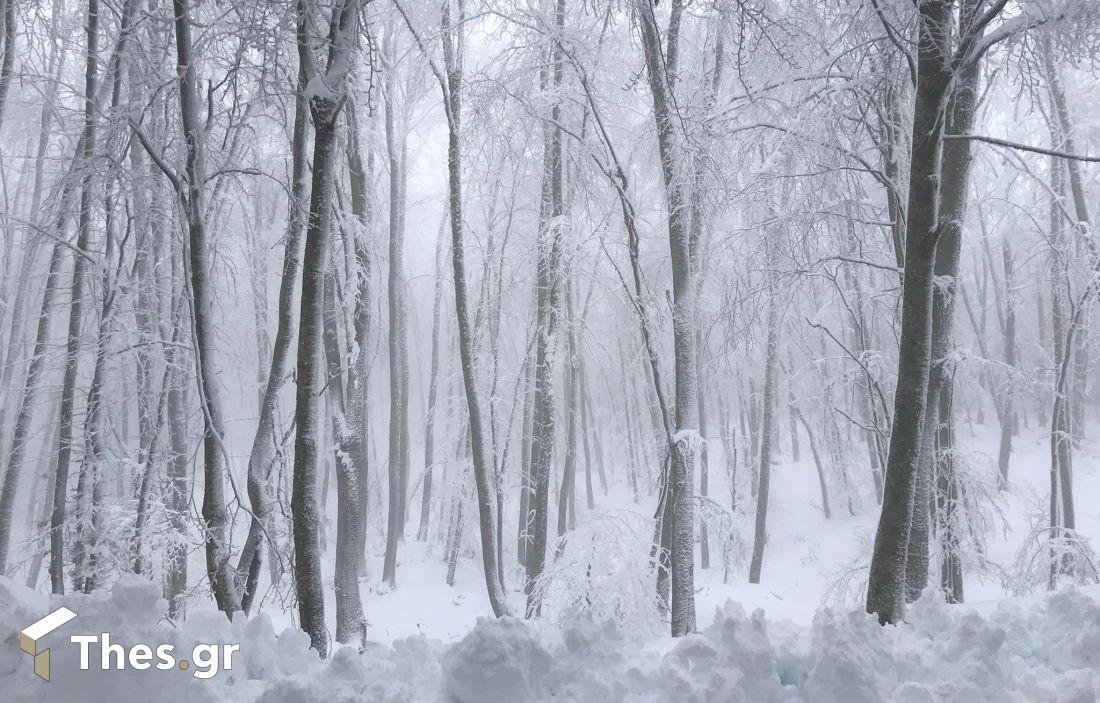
pixel 798 636
pixel 1044 649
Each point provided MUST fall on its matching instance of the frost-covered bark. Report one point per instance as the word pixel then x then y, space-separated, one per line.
pixel 72 349
pixel 451 83
pixel 177 489
pixel 21 431
pixel 937 463
pixel 548 294
pixel 886 584
pixel 433 391
pixel 351 627
pixel 399 373
pixel 7 45
pixel 360 174
pixel 819 462
pixel 198 271
pixel 567 495
pixel 266 442
pixel 326 94
pixel 682 466
pixel 767 437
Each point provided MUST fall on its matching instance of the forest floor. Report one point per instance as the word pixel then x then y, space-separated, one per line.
pixel 809 561
pixel 428 644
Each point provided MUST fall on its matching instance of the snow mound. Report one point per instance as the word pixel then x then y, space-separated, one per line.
pixel 1038 649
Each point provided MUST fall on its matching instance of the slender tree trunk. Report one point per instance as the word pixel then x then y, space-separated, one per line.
pixel 72 350
pixel 177 492
pixel 42 523
pixel 7 59
pixel 591 423
pixel 31 246
pixel 686 437
pixel 767 435
pixel 1009 419
pixel 526 487
pixel 548 277
pixel 265 444
pixel 399 409
pixel 482 479
pixel 704 466
pixel 567 496
pixel 818 462
pixel 21 432
pixel 326 99
pixel 433 389
pixel 1076 396
pixel 214 514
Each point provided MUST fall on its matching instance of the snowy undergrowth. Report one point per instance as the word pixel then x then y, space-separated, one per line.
pixel 1044 648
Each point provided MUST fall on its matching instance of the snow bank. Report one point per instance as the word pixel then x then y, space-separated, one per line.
pixel 1038 649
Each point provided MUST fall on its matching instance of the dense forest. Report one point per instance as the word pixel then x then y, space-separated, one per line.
pixel 613 304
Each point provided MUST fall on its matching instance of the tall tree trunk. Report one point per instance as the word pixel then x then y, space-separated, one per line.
pixel 177 491
pixel 452 94
pixel 72 349
pixel 548 278
pixel 704 464
pixel 214 514
pixel 526 487
pixel 326 95
pixel 7 59
pixel 1076 398
pixel 567 496
pixel 20 434
pixel 399 382
pixel 686 437
pixel 360 175
pixel 767 438
pixel 886 584
pixel 265 444
pixel 433 390
pixel 31 246
pixel 954 187
pixel 1009 419
pixel 351 626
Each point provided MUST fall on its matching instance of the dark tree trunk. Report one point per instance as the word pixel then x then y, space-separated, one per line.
pixel 325 107
pixel 686 437
pixel 886 583
pixel 767 434
pixel 482 480
pixel 954 187
pixel 548 276
pixel 265 444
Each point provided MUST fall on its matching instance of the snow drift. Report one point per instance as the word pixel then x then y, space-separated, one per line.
pixel 1027 650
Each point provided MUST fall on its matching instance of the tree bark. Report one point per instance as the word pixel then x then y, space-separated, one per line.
pixel 767 436
pixel 266 442
pixel 686 438
pixel 885 589
pixel 399 382
pixel 482 479
pixel 548 278
pixel 214 514
pixel 326 96
pixel 433 391
pixel 954 189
